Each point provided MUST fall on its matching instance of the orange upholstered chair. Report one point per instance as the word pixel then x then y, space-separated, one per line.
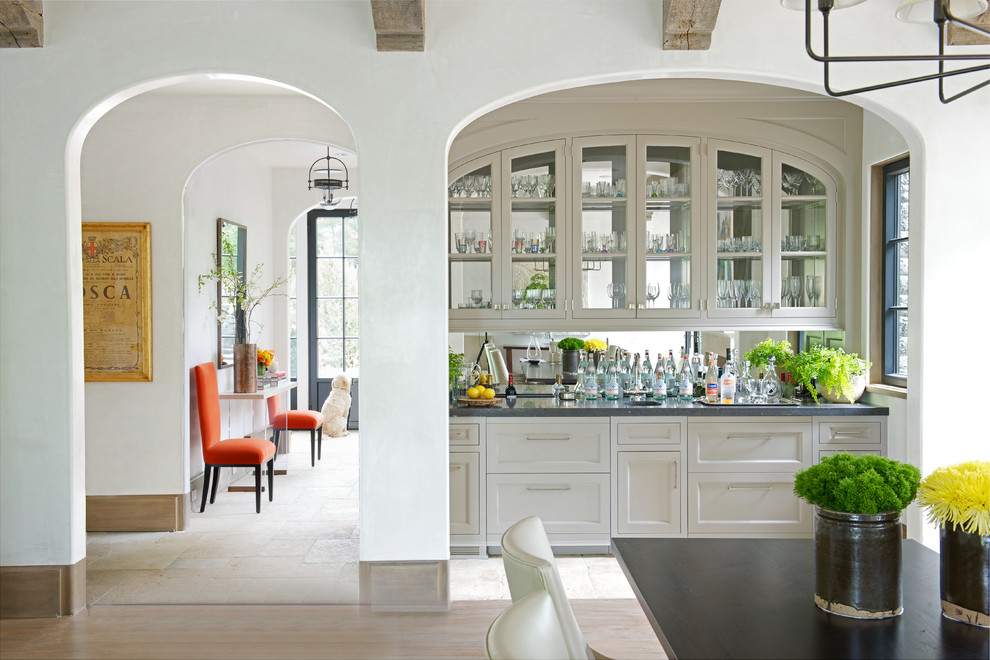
pixel 297 420
pixel 234 452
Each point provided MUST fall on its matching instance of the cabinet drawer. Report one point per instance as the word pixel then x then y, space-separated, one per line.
pixel 567 503
pixel 549 446
pixel 749 446
pixel 465 434
pixel 465 491
pixel 751 504
pixel 849 433
pixel 653 433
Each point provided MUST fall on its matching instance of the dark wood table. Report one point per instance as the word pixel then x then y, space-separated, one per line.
pixel 754 598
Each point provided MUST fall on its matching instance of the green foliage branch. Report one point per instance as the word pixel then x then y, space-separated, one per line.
pixel 570 344
pixel 247 292
pixel 759 356
pixel 456 363
pixel 832 368
pixel 858 484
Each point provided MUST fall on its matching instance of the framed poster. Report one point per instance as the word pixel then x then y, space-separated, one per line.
pixel 116 260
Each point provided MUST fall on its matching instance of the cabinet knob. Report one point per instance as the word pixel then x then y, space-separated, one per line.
pixel 640 306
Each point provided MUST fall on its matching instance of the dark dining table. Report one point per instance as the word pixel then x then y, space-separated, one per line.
pixel 754 598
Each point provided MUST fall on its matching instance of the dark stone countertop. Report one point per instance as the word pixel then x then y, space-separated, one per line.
pixel 547 407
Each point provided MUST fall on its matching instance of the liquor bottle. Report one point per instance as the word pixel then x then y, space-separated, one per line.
pixel 647 373
pixel 727 384
pixel 510 389
pixel 711 380
pixel 660 383
pixel 612 389
pixel 558 388
pixel 686 389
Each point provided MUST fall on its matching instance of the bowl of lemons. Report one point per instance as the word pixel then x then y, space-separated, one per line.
pixel 479 395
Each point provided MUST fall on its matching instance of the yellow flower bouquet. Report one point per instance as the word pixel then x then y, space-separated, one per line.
pixel 958 494
pixel 265 359
pixel 594 345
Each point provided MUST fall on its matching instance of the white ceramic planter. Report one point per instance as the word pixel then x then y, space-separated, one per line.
pixel 858 384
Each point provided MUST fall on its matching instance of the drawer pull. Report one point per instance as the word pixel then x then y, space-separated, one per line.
pixel 460 433
pixel 750 437
pixel 849 434
pixel 754 487
pixel 455 468
pixel 556 438
pixel 548 487
pixel 675 475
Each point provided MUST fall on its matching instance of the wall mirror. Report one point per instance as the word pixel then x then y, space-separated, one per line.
pixel 232 251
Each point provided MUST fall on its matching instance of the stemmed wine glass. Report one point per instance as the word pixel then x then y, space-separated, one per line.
pixel 739 293
pixel 724 293
pixel 615 291
pixel 753 293
pixel 652 292
pixel 813 287
pixel 796 292
pixel 517 297
pixel 785 291
pixel 476 297
pixel 792 181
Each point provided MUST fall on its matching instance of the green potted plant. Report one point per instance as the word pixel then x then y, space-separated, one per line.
pixel 957 499
pixel 759 356
pixel 858 502
pixel 456 366
pixel 569 347
pixel 839 376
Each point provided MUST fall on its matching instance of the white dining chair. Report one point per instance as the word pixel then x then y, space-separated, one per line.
pixel 528 630
pixel 530 566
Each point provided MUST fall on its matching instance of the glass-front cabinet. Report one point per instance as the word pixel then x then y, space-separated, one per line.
pixel 670 249
pixel 473 220
pixel 628 227
pixel 604 227
pixel 533 233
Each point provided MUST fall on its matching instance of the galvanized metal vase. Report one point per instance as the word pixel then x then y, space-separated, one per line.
pixel 965 576
pixel 245 368
pixel 858 564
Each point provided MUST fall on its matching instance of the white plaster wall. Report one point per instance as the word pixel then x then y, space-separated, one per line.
pixel 403 109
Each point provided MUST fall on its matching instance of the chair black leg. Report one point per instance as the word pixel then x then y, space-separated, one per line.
pixel 276 431
pixel 319 441
pixel 271 478
pixel 312 449
pixel 213 489
pixel 206 485
pixel 257 489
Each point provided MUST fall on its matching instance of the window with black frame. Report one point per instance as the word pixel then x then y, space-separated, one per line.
pixel 896 223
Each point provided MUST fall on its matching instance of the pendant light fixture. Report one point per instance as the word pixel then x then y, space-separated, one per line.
pixel 940 12
pixel 323 176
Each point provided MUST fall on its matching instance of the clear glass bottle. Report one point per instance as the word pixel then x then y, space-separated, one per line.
pixel 671 372
pixel 612 386
pixel 711 380
pixel 647 373
pixel 747 386
pixel 602 372
pixel 686 385
pixel 591 382
pixel 582 368
pixel 770 385
pixel 558 388
pixel 697 368
pixel 660 383
pixel 533 351
pixel 727 382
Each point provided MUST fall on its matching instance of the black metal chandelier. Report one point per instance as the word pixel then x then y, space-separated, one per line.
pixel 322 178
pixel 910 11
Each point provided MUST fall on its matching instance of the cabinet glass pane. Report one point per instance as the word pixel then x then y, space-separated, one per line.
pixel 534 283
pixel 470 284
pixel 534 176
pixel 603 171
pixel 470 213
pixel 739 227
pixel 668 283
pixel 739 284
pixel 668 227
pixel 802 282
pixel 603 283
pixel 739 175
pixel 668 172
pixel 802 226
pixel 794 182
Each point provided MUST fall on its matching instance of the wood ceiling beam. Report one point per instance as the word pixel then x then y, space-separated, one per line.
pixel 688 24
pixel 399 25
pixel 21 24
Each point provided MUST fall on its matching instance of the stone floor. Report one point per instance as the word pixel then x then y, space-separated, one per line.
pixel 301 549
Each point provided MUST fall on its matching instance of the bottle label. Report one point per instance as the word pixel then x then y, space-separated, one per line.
pixel 711 392
pixel 687 389
pixel 612 392
pixel 728 390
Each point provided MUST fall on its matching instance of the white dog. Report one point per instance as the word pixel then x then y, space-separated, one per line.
pixel 336 407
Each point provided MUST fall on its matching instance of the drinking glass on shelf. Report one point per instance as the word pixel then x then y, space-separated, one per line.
pixel 476 297
pixel 549 297
pixel 813 287
pixel 517 298
pixel 796 292
pixel 481 242
pixel 785 291
pixel 461 241
pixel 652 292
pixel 616 290
pixel 814 242
pixel 724 293
pixel 532 298
pixel 739 293
pixel 754 293
pixel 620 188
pixel 792 181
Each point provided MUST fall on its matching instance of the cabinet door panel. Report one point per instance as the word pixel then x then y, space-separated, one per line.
pixel 464 493
pixel 554 447
pixel 649 495
pixel 762 446
pixel 567 503
pixel 464 434
pixel 849 433
pixel 746 504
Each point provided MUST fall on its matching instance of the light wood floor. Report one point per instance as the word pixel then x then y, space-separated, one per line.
pixel 616 628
